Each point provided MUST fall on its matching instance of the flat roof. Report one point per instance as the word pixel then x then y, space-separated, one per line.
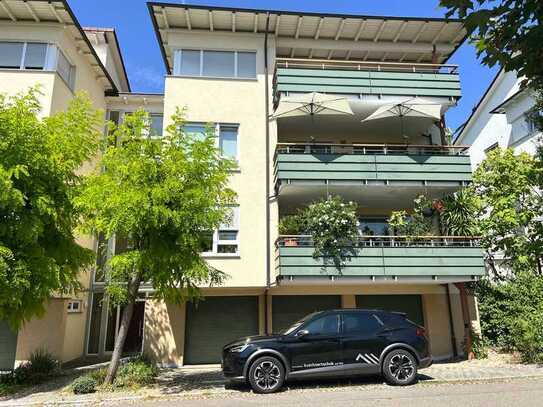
pixel 57 11
pixel 415 37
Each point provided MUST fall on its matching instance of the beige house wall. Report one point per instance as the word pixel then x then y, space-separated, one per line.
pixel 232 101
pixel 45 332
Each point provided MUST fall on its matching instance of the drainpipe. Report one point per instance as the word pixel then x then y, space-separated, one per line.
pixel 267 115
pixel 451 324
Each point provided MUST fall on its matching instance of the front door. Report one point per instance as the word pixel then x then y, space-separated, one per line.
pixel 361 341
pixel 319 348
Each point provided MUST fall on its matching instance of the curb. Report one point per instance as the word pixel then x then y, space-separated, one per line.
pixel 184 395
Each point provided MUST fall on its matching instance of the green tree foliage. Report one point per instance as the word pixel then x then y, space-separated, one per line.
pixel 163 196
pixel 414 224
pixel 39 159
pixel 508 186
pixel 505 32
pixel 512 314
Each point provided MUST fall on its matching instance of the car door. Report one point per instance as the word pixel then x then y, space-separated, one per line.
pixel 315 345
pixel 361 340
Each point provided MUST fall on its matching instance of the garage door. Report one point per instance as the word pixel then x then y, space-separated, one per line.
pixel 410 304
pixel 8 347
pixel 287 309
pixel 214 322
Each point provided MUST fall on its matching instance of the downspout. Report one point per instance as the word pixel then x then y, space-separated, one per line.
pixel 266 118
pixel 451 324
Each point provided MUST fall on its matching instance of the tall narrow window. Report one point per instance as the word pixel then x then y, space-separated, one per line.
pixel 247 64
pixel 66 70
pixel 156 125
pixel 94 327
pixel 228 141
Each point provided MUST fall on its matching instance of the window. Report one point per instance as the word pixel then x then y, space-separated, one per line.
pixel 373 226
pixel 532 118
pixel 23 55
pixel 227 136
pixel 74 306
pixel 94 326
pixel 156 125
pixel 225 240
pixel 66 70
pixel 215 64
pixel 491 147
pixel 327 325
pixel 360 323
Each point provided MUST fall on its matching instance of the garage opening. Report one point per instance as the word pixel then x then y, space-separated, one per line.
pixel 215 321
pixel 287 309
pixel 409 304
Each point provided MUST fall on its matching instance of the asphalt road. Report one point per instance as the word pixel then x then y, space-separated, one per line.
pixel 517 393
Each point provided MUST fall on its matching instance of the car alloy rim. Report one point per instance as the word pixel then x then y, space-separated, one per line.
pixel 401 367
pixel 267 375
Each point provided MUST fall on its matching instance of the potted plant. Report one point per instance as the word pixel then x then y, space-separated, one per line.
pixel 291 225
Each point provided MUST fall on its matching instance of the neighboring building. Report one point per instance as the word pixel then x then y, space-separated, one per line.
pixel 232 68
pixel 501 119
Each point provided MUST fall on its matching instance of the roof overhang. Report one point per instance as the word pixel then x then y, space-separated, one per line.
pixel 108 36
pixel 502 107
pixel 57 12
pixel 317 35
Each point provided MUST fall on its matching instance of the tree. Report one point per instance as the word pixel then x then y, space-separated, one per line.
pixel 505 32
pixel 163 196
pixel 508 186
pixel 39 159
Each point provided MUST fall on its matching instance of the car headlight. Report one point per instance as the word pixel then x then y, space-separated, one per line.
pixel 239 349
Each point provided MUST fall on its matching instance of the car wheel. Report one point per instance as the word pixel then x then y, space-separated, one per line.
pixel 266 375
pixel 400 368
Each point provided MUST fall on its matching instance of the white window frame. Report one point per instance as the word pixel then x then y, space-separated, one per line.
pixel 226 228
pixel 178 58
pixel 72 309
pixel 47 63
pixel 217 134
pixel 71 81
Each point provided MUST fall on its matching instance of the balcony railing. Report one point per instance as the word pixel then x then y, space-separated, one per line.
pixel 372 164
pixel 368 149
pixel 389 241
pixel 356 78
pixel 385 257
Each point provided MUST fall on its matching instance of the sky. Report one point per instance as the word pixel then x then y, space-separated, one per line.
pixel 146 70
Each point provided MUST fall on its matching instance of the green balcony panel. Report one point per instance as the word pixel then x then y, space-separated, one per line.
pixel 358 167
pixel 351 81
pixel 423 262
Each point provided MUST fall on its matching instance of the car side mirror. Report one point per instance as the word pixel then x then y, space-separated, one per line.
pixel 301 333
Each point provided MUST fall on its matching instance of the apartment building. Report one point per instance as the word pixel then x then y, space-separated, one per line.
pixel 234 68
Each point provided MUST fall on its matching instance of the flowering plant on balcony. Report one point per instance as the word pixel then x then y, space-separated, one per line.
pixel 416 224
pixel 333 225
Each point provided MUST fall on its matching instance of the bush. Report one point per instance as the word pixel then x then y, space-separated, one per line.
pixel 137 372
pixel 512 315
pixel 40 366
pixel 84 385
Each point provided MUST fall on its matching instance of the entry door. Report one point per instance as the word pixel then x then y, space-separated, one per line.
pixel 320 347
pixel 361 341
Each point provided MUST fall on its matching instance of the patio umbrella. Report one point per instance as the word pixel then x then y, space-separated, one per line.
pixel 411 108
pixel 312 104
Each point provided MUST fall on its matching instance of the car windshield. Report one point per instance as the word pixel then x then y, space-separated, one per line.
pixel 296 325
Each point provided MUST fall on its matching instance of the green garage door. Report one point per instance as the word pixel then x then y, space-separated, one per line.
pixel 8 347
pixel 216 321
pixel 409 304
pixel 287 309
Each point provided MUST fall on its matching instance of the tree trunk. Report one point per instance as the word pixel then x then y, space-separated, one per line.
pixel 133 287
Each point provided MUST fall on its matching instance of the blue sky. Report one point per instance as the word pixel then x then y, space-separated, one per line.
pixel 145 68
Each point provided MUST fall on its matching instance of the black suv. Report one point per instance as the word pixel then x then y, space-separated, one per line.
pixel 328 344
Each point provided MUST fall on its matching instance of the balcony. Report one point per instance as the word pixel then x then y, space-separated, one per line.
pixel 305 172
pixel 357 79
pixel 383 258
